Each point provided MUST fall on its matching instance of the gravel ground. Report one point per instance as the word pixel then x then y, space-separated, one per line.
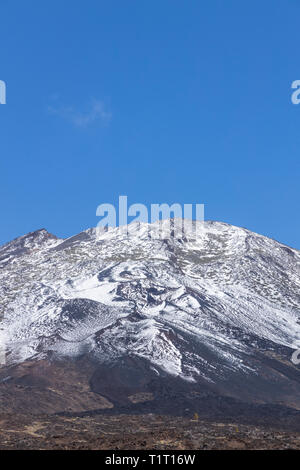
pixel 136 432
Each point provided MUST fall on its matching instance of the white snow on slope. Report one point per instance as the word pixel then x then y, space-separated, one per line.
pixel 167 300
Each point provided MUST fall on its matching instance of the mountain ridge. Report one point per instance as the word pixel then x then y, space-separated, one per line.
pixel 89 229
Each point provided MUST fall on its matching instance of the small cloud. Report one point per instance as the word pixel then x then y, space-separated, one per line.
pixel 96 112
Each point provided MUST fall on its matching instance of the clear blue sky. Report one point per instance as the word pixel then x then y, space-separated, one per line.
pixel 161 100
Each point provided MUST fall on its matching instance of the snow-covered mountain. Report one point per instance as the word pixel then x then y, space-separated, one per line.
pixel 219 309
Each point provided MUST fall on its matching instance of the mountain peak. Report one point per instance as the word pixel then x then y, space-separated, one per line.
pixel 26 243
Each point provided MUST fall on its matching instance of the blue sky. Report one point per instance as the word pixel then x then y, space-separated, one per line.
pixel 161 100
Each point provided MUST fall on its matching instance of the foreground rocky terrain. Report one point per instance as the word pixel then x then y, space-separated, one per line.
pixel 155 432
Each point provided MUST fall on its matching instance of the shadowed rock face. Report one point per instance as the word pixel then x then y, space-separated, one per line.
pixel 169 323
